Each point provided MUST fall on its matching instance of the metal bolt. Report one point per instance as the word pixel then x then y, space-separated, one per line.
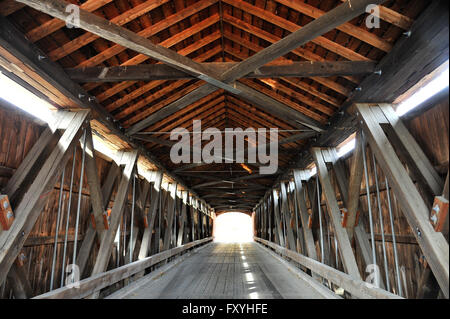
pixel 419 233
pixel 358 88
pixel 80 96
pixel 41 57
pixel 92 99
pixel 407 33
pixel 378 72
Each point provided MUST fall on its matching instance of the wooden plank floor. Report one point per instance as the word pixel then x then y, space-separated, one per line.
pixel 225 271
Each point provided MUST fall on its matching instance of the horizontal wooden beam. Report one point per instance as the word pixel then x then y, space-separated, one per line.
pixel 50 240
pixel 153 72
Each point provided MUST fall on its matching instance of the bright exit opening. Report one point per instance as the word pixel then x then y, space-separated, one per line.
pixel 233 228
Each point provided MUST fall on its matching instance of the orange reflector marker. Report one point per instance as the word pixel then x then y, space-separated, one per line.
pixel 6 213
pixel 439 214
pixel 21 259
pixel 344 216
pixel 106 218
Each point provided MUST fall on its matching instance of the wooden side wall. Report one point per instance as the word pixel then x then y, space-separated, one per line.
pixel 18 132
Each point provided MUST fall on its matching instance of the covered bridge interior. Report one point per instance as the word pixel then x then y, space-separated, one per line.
pixel 93 204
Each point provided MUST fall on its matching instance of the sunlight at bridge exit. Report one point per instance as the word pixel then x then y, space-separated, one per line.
pixel 233 228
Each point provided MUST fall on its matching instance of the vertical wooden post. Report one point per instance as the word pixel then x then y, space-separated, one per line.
pixel 129 159
pixel 285 211
pixel 170 215
pixel 354 186
pixel 278 221
pixel 89 237
pixel 95 192
pixel 304 216
pixel 151 215
pixel 183 217
pixel 141 202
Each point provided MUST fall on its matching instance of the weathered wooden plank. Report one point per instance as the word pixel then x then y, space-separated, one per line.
pixel 153 72
pixel 16 44
pixel 151 215
pixel 272 38
pixel 351 29
pixel 287 214
pixel 101 262
pixel 393 17
pixel 53 25
pixel 421 161
pixel 19 282
pixel 312 30
pixel 428 288
pixel 147 32
pixel 276 209
pixel 354 185
pixel 132 243
pixel 122 36
pixel 28 209
pixel 345 248
pixel 12 187
pixel 142 200
pixel 182 217
pixel 327 22
pixel 88 240
pixel 304 216
pixel 433 244
pixel 50 240
pixel 362 238
pixel 95 192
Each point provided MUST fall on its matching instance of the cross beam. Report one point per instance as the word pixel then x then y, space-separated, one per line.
pixel 153 72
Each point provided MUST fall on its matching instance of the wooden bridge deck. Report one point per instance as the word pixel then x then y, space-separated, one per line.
pixel 223 270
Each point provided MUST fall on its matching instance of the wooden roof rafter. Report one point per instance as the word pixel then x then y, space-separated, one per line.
pixel 145 89
pixel 132 98
pixel 117 88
